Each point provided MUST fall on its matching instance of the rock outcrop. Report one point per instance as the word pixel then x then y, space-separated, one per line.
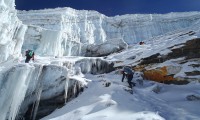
pixel 190 54
pixel 159 75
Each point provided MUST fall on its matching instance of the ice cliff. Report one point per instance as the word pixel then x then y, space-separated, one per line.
pixel 11 39
pixel 22 85
pixel 69 32
pixel 11 31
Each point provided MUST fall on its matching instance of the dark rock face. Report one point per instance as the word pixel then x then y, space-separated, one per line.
pixel 195 65
pixel 193 73
pixel 152 59
pixel 193 98
pixel 190 50
pixel 176 82
pixel 190 33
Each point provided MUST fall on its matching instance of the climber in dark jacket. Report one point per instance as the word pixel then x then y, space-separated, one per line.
pixel 128 72
pixel 29 54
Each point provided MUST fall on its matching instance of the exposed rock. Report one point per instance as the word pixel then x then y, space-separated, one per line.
pixel 166 75
pixel 190 50
pixel 193 73
pixel 132 57
pixel 159 75
pixel 139 68
pixel 151 59
pixel 107 84
pixel 188 33
pixel 195 65
pixel 177 82
pixel 193 97
pixel 188 79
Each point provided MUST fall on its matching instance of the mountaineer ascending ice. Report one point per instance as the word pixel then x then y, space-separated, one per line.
pixel 128 72
pixel 29 54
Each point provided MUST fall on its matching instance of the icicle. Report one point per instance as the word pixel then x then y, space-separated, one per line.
pixel 38 95
pixel 38 92
pixel 74 88
pixel 66 89
pixel 70 49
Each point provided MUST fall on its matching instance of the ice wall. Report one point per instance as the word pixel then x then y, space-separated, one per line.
pixel 47 42
pixel 79 28
pixel 32 82
pixel 94 65
pixel 7 4
pixel 13 85
pixel 11 31
pixel 50 43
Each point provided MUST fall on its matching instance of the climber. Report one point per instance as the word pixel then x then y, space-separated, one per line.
pixel 128 72
pixel 141 43
pixel 29 54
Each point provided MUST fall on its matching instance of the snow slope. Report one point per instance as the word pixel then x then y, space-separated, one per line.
pixel 114 103
pixel 149 101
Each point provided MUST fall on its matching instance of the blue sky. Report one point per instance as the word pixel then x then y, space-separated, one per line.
pixel 114 7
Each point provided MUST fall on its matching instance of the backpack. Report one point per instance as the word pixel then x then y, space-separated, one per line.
pixel 128 70
pixel 29 53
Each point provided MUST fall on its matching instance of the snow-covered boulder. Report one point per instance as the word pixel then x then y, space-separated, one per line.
pixel 159 74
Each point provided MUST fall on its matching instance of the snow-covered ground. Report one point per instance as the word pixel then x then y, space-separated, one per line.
pixel 150 101
pixel 99 102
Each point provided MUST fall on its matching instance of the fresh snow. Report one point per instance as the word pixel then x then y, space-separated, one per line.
pixel 114 103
